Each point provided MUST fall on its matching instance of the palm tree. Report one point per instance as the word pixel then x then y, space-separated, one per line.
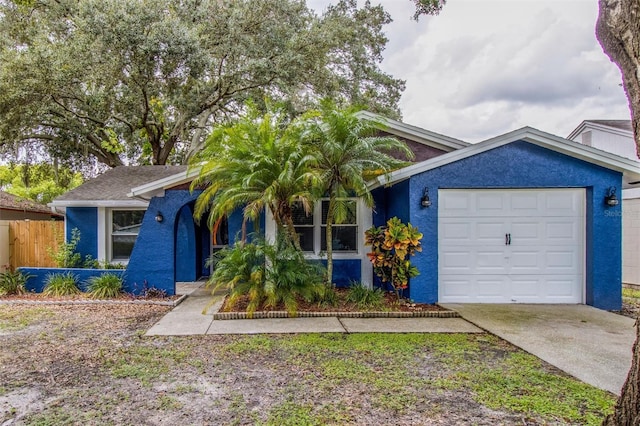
pixel 349 153
pixel 253 164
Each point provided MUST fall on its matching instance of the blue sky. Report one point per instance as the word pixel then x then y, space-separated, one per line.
pixel 485 67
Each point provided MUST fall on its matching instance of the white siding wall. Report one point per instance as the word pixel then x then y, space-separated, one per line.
pixel 616 144
pixel 4 245
pixel 631 241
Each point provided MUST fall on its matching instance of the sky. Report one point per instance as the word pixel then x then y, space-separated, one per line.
pixel 482 68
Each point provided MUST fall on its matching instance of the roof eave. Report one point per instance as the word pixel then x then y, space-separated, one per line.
pixel 128 203
pixel 629 168
pixel 157 187
pixel 414 133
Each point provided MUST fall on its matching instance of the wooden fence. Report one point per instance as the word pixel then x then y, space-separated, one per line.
pixel 29 242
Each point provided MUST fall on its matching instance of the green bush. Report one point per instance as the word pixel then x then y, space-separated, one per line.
pixel 13 282
pixel 105 286
pixel 365 297
pixel 267 273
pixel 62 284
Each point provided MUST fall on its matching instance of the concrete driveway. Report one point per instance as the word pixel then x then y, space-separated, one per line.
pixel 590 344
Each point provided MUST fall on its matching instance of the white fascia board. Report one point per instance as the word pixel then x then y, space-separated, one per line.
pixel 630 168
pixel 99 203
pixel 577 130
pixel 150 189
pixel 414 133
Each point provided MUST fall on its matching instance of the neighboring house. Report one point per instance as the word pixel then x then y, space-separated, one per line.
pixel 13 207
pixel 616 136
pixel 518 218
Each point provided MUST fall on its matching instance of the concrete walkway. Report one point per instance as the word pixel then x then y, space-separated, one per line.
pixel 195 316
pixel 590 344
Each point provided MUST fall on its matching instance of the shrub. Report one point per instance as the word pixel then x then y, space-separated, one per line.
pixel 63 284
pixel 105 286
pixel 267 273
pixel 365 297
pixel 13 282
pixel 391 248
pixel 66 256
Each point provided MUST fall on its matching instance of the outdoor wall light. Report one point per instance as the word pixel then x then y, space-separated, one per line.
pixel 610 199
pixel 159 217
pixel 425 201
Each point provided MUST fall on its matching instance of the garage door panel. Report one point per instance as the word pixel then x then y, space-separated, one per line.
pixel 560 288
pixel 457 262
pixel 542 264
pixel 526 203
pixel 525 288
pixel 522 261
pixel 490 287
pixel 564 232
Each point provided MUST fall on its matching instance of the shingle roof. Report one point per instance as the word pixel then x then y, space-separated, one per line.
pixel 13 202
pixel 115 184
pixel 618 124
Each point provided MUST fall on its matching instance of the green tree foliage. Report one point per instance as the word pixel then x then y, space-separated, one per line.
pixel 255 164
pixel 427 7
pixel 143 80
pixel 38 182
pixel 349 152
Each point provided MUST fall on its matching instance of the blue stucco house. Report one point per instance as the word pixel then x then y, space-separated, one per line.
pixel 526 217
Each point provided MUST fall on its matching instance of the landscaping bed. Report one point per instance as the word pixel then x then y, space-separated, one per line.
pixel 30 298
pixel 387 306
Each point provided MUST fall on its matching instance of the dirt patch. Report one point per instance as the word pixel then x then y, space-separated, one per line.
pixel 92 365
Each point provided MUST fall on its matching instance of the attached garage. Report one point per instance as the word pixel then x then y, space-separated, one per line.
pixel 511 245
pixel 521 218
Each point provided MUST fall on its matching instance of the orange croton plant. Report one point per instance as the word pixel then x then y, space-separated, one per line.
pixel 391 247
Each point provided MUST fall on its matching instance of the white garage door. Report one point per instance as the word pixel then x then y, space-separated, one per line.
pixel 511 246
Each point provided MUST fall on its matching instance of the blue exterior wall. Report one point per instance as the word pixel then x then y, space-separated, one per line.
pixel 153 259
pixel 38 277
pixel 85 219
pixel 523 165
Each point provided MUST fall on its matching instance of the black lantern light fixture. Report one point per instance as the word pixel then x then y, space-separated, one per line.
pixel 159 217
pixel 425 201
pixel 610 199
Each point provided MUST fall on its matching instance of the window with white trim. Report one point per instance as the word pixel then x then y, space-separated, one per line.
pixel 312 228
pixel 124 229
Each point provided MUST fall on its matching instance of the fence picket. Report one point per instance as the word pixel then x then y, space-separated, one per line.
pixel 30 240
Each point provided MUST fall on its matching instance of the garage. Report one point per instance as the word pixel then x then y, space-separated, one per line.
pixel 511 245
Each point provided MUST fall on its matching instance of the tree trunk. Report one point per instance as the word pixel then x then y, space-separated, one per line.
pixel 329 235
pixel 618 30
pixel 627 410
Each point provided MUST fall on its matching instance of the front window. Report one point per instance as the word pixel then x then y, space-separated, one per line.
pixel 125 226
pixel 345 234
pixel 312 228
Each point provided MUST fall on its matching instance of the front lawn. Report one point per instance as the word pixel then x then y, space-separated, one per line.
pixel 92 365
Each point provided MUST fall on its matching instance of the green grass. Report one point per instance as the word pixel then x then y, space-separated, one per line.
pixel 630 293
pixel 18 319
pixel 145 364
pixel 292 414
pixel 386 366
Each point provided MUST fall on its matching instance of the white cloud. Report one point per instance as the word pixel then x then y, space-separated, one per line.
pixel 482 68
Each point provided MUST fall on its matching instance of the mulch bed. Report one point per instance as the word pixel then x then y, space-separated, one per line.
pixel 83 299
pixel 390 308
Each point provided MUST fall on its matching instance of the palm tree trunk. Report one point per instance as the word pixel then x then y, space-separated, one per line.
pixel 329 235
